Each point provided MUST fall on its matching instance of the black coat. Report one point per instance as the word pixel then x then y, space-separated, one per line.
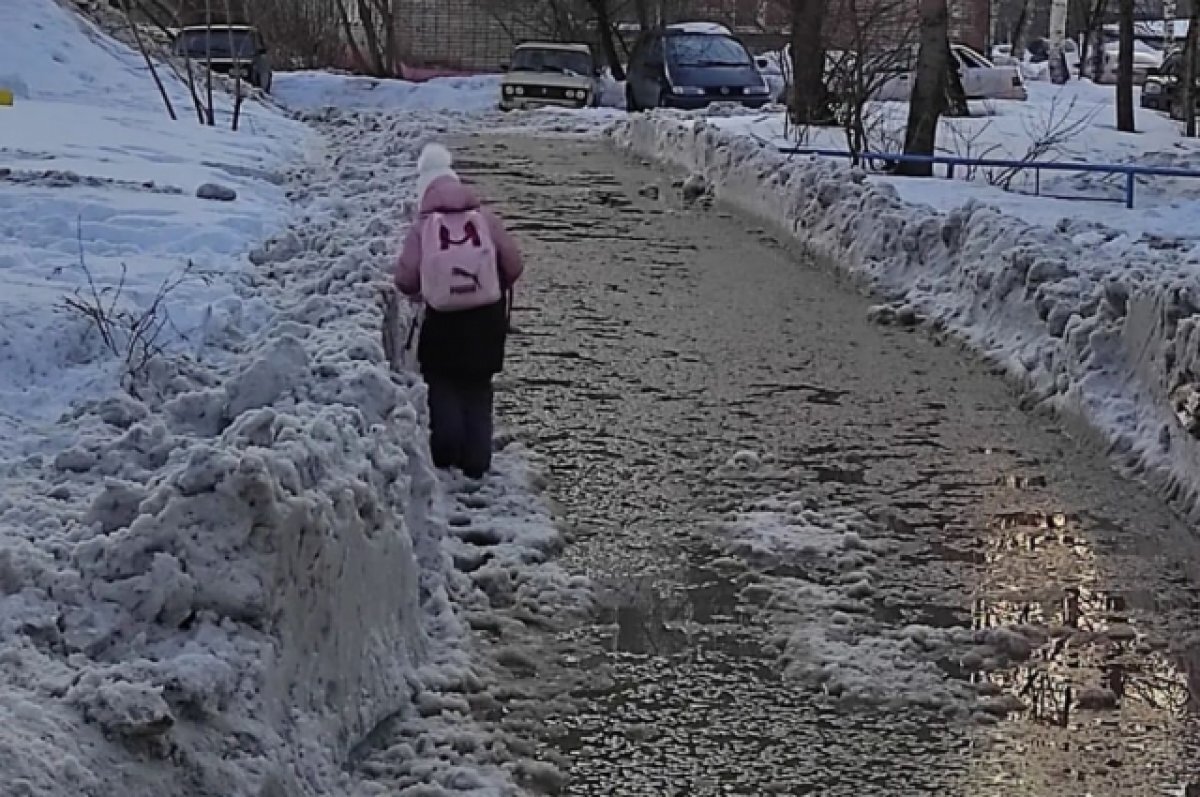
pixel 464 344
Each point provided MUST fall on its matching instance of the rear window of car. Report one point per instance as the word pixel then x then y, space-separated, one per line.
pixel 221 43
pixel 706 49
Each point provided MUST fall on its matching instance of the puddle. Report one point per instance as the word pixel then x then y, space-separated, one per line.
pixel 840 475
pixel 702 611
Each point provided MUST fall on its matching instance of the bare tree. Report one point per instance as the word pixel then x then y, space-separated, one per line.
pixel 809 101
pixel 236 49
pixel 1092 13
pixel 1188 89
pixel 133 29
pixel 1059 74
pixel 879 38
pixel 306 33
pixel 573 20
pixel 930 88
pixel 603 11
pixel 377 18
pixel 210 118
pixel 1017 36
pixel 1125 120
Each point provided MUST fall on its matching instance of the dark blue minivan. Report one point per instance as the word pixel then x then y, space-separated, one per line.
pixel 691 65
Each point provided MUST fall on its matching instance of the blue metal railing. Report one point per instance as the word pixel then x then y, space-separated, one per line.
pixel 1130 171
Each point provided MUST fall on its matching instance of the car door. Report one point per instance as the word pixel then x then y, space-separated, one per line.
pixel 973 78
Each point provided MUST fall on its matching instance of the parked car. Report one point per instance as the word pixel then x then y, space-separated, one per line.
pixel 776 69
pixel 1162 88
pixel 690 65
pixel 1145 59
pixel 547 74
pixel 235 50
pixel 981 79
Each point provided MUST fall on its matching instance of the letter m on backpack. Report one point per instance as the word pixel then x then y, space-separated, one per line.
pixel 459 270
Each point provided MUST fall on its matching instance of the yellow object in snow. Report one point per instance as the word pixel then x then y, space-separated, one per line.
pixel 6 97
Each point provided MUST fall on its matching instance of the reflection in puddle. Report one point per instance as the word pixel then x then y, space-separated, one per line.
pixel 1098 685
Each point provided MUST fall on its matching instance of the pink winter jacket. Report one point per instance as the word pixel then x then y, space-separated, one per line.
pixel 448 195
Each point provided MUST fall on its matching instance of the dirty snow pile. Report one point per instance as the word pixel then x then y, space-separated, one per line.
pixel 314 90
pixel 223 558
pixel 1098 330
pixel 835 561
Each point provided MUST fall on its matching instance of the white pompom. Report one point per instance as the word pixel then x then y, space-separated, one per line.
pixel 434 158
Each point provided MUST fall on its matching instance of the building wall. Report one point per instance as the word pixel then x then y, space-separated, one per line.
pixel 480 34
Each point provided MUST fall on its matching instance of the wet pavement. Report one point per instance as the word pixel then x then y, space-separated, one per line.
pixel 675 364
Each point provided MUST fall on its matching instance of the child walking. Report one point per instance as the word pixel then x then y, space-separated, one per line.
pixel 460 260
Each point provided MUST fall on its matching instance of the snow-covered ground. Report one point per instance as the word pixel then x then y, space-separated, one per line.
pixel 1092 324
pixel 1079 118
pixel 312 90
pixel 93 186
pixel 220 568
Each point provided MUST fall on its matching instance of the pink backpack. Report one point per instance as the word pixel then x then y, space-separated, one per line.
pixel 459 270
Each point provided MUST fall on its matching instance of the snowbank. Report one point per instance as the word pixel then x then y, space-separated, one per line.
pixel 1089 328
pixel 1079 116
pixel 220 579
pixel 315 90
pixel 109 189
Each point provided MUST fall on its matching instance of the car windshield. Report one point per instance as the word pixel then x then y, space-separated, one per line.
pixel 223 43
pixel 564 61
pixel 706 50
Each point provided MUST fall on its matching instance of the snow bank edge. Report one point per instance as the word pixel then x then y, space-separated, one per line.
pixel 1110 358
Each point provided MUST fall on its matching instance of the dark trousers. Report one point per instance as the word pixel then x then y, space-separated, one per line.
pixel 460 421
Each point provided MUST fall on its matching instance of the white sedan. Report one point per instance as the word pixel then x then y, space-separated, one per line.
pixel 982 80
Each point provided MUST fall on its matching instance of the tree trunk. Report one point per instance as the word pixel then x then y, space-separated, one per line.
pixel 1059 74
pixel 956 94
pixel 1018 31
pixel 809 103
pixel 929 90
pixel 1092 22
pixel 1125 121
pixel 137 37
pixel 641 10
pixel 212 113
pixel 366 18
pixel 608 44
pixel 391 53
pixel 1188 89
pixel 355 51
pixel 237 78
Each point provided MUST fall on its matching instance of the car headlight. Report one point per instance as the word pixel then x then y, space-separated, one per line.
pixel 508 90
pixel 688 91
pixel 518 91
pixel 1153 88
